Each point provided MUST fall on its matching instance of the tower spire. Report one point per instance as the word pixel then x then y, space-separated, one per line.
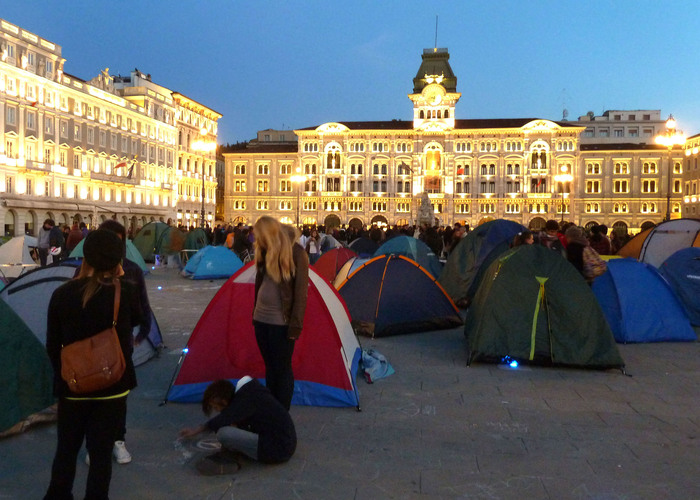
pixel 436 31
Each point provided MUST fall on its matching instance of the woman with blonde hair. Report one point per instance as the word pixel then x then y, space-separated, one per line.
pixel 281 285
pixel 78 310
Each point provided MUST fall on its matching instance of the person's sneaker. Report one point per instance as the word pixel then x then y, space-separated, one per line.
pixel 220 463
pixel 121 454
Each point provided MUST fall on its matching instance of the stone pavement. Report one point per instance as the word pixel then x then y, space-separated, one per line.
pixel 434 429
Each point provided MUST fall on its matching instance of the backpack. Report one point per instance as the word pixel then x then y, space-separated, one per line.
pixel 593 265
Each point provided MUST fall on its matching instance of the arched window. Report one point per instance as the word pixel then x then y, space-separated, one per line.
pixel 422 114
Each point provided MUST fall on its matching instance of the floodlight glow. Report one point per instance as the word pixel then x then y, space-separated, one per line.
pixel 513 364
pixel 160 287
pixel 185 350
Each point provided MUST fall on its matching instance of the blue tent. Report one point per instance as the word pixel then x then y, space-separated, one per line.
pixel 363 246
pixel 212 263
pixel 639 305
pixel 682 272
pixel 472 256
pixel 414 249
pixel 132 254
pixel 392 294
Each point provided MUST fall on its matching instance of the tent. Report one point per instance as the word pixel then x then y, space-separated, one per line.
pixel 639 304
pixel 471 257
pixel 15 256
pixel 212 263
pixel 363 246
pixel 328 242
pixel 331 261
pixel 392 294
pixel 26 375
pixel 350 266
pixel 196 239
pixel 533 306
pixel 132 254
pixel 414 249
pixel 655 245
pixel 682 272
pixel 29 297
pixel 158 238
pixel 223 345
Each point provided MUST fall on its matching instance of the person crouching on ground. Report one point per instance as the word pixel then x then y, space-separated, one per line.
pixel 250 421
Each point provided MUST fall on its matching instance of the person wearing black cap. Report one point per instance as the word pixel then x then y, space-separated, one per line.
pixel 78 310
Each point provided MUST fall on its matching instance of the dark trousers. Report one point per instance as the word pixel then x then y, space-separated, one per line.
pixel 43 255
pixel 97 422
pixel 277 350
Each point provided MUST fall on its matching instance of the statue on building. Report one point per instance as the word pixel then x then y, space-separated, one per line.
pixel 425 212
pixel 103 81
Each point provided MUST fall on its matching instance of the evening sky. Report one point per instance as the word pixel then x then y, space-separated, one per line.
pixel 296 64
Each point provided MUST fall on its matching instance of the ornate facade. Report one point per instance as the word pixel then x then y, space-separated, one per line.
pixel 527 170
pixel 84 150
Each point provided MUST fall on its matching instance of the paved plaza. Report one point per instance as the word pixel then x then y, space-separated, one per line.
pixel 434 429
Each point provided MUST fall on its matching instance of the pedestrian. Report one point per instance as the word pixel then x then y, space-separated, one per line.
pixel 75 236
pixel 524 237
pixel 281 286
pixel 313 246
pixel 79 309
pixel 599 239
pixel 57 243
pixel 43 245
pixel 250 421
pixel 133 274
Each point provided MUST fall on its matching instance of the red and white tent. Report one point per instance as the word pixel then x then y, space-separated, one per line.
pixel 223 346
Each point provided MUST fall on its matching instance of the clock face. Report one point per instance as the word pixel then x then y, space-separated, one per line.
pixel 433 94
pixel 435 99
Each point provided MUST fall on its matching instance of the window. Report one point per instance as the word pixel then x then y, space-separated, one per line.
pixel 285 169
pixel 239 170
pixel 9 182
pixel 285 186
pixel 649 168
pixel 11 115
pixel 462 208
pixel 403 207
pixel 239 186
pixel 262 205
pixel 677 186
pixel 622 168
pixel 592 186
pixel 263 169
pixel 619 132
pixel 47 155
pixel 355 206
pixel 49 67
pixel 285 205
pixel 648 186
pixel 621 187
pixel 90 135
pixel 592 168
pixel 76 133
pixel 677 168
pixel 604 132
pixel 512 208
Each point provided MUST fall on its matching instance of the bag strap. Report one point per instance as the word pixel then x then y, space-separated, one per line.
pixel 117 298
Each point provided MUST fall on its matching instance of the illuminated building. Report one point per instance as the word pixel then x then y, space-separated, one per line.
pixel 691 178
pixel 82 150
pixel 527 170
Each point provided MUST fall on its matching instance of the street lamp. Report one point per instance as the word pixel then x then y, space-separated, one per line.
pixel 298 179
pixel 670 138
pixel 564 178
pixel 203 147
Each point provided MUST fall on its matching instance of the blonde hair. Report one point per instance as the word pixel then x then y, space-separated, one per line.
pixel 96 280
pixel 273 249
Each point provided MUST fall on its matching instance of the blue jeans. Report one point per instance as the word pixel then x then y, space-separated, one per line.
pixel 235 439
pixel 277 349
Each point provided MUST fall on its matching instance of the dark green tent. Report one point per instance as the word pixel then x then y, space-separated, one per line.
pixel 26 376
pixel 533 306
pixel 466 263
pixel 157 238
pixel 196 239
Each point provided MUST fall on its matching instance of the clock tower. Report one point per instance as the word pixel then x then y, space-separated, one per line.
pixel 434 92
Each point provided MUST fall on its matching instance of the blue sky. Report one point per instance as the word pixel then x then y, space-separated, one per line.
pixel 273 64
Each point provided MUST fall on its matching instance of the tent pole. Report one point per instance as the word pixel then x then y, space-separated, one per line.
pixel 172 380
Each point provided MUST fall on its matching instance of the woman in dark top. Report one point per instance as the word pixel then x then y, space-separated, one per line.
pixel 281 286
pixel 78 310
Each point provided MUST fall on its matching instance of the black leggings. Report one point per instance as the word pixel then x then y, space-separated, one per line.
pixel 98 422
pixel 277 349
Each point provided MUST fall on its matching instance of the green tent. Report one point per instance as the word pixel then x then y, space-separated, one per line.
pixel 534 307
pixel 132 254
pixel 471 257
pixel 26 375
pixel 196 239
pixel 157 238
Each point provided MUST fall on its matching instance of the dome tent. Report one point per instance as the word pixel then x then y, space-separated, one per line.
pixel 471 257
pixel 212 263
pixel 379 305
pixel 222 345
pixel 640 305
pixel 529 308
pixel 414 249
pixel 682 271
pixel 132 254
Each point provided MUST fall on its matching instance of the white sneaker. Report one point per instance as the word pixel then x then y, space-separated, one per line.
pixel 120 452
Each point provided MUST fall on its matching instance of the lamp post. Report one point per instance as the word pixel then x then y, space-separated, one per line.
pixel 203 147
pixel 564 178
pixel 297 179
pixel 670 138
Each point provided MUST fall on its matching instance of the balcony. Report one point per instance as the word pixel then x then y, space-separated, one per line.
pixel 114 178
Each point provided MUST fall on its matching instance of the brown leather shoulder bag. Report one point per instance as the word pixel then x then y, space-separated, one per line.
pixel 96 362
